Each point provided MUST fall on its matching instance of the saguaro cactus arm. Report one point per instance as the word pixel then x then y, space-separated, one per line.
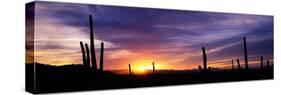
pixel 83 52
pixel 88 55
pixel 238 64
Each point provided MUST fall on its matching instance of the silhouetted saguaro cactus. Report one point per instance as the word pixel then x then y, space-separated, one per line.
pixel 153 69
pixel 204 58
pixel 205 67
pixel 92 44
pixel 238 64
pixel 245 53
pixel 200 68
pixel 232 65
pixel 267 64
pixel 130 71
pixel 88 55
pixel 261 62
pixel 101 56
pixel 83 53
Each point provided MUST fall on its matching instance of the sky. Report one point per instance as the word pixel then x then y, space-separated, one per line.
pixel 138 36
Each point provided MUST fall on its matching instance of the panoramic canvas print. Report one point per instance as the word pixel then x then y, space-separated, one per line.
pixel 79 47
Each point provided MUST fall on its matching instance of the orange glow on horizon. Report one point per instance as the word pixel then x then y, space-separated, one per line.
pixel 140 62
pixel 144 65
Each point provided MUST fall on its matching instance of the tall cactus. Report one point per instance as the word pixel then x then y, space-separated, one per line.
pixel 232 65
pixel 238 64
pixel 101 56
pixel 245 53
pixel 130 71
pixel 204 58
pixel 92 46
pixel 205 67
pixel 87 55
pixel 153 69
pixel 261 62
pixel 267 64
pixel 83 53
pixel 200 68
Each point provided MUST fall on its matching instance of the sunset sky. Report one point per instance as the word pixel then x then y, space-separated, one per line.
pixel 138 36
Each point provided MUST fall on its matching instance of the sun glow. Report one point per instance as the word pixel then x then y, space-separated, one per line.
pixel 143 66
pixel 143 69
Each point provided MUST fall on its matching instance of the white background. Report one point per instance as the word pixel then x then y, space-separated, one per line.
pixel 12 31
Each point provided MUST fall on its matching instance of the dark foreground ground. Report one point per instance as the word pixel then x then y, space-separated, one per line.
pixel 49 79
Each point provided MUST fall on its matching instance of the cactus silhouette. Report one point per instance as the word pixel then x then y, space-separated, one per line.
pixel 87 55
pixel 238 64
pixel 245 53
pixel 267 64
pixel 205 67
pixel 261 62
pixel 153 69
pixel 130 71
pixel 204 58
pixel 83 53
pixel 200 68
pixel 101 56
pixel 92 46
pixel 232 63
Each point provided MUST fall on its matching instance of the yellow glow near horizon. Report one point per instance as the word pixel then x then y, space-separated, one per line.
pixel 142 65
pixel 143 69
